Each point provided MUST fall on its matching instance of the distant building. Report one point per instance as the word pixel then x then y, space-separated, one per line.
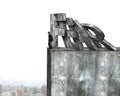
pixel 20 92
pixel 14 93
pixel 0 89
pixel 44 90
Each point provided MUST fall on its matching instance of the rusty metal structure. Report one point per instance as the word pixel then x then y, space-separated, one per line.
pixel 91 35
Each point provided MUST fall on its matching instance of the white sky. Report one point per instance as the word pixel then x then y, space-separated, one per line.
pixel 24 25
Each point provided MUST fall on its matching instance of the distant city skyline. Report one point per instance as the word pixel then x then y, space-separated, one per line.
pixel 22 90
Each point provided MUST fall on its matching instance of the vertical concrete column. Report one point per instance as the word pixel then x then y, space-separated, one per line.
pixel 53 30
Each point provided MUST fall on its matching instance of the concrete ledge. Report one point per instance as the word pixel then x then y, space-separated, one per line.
pixel 84 49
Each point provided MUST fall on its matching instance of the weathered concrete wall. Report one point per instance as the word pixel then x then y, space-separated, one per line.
pixel 83 73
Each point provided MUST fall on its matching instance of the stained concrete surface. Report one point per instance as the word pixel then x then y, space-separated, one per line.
pixel 83 73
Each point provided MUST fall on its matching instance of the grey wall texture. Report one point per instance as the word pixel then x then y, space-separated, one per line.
pixel 83 73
